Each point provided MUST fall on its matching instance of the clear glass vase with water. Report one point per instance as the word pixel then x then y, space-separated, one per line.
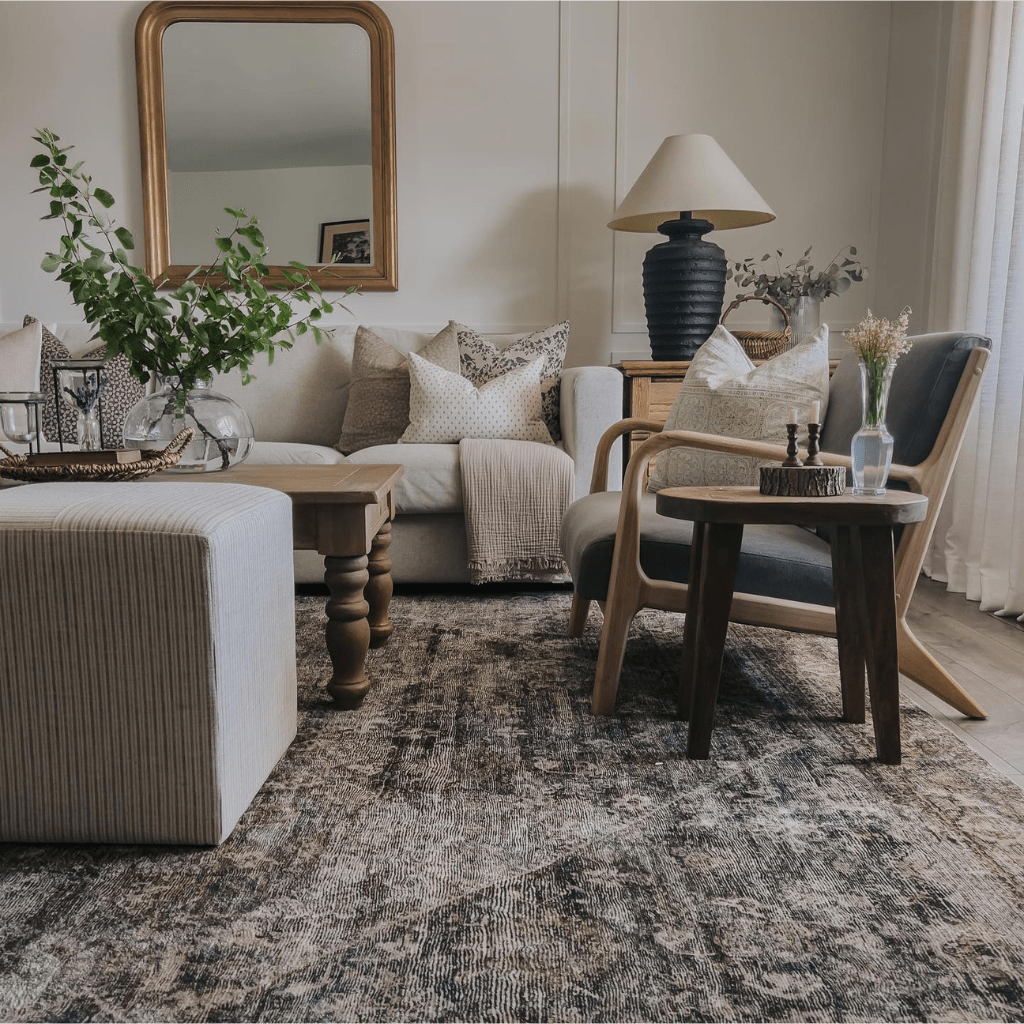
pixel 871 448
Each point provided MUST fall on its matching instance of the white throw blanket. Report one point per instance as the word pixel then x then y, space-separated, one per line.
pixel 514 494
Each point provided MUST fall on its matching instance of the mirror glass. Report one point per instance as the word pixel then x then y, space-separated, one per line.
pixel 276 119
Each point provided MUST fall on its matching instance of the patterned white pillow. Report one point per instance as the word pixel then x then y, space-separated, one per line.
pixel 724 393
pixel 445 407
pixel 482 360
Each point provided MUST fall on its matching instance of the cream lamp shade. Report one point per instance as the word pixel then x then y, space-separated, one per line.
pixel 691 175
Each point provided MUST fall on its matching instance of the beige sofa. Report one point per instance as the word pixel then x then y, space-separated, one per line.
pixel 297 406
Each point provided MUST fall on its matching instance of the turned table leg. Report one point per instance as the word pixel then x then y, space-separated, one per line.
pixel 348 632
pixel 380 588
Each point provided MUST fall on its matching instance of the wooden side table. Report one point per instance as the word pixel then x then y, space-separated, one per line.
pixel 865 595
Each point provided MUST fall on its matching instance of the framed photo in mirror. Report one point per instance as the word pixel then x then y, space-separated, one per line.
pixel 345 241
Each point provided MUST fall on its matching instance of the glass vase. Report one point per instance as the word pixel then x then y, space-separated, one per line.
pixel 223 431
pixel 871 448
pixel 87 430
pixel 804 317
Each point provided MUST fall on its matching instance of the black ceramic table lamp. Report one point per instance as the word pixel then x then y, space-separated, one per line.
pixel 690 187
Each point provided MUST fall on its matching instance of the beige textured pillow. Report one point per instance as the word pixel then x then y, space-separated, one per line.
pixel 444 407
pixel 724 393
pixel 20 352
pixel 378 397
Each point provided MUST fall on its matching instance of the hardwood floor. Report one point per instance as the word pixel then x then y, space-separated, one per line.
pixel 986 656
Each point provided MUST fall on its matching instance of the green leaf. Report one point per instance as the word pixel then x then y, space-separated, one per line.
pixel 224 244
pixel 50 263
pixel 104 198
pixel 41 160
pixel 124 236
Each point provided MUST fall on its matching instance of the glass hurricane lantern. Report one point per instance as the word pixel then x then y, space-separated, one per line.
pixel 79 383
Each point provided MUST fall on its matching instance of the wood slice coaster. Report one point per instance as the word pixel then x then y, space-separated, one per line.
pixel 803 481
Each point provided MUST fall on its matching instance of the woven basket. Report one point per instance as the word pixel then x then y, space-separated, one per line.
pixel 762 344
pixel 19 467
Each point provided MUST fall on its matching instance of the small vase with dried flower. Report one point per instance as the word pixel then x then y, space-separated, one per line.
pixel 878 343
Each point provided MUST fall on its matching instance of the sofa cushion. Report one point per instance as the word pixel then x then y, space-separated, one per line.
pixel 432 481
pixel 776 561
pixel 292 453
pixel 378 400
pixel 445 407
pixel 482 359
pixel 724 393
pixel 19 358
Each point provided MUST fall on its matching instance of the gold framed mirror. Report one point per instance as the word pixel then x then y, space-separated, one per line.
pixel 285 109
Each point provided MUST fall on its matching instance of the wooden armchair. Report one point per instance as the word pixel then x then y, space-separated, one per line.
pixel 622 554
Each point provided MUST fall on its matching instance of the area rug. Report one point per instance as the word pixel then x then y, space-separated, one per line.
pixel 472 845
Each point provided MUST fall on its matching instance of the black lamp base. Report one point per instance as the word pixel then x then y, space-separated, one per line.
pixel 684 285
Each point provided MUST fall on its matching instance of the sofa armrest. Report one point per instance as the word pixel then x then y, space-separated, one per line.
pixel 590 402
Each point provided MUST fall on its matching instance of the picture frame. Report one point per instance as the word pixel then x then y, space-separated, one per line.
pixel 345 242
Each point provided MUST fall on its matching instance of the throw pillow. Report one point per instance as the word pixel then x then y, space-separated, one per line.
pixel 724 393
pixel 481 361
pixel 20 353
pixel 121 393
pixel 378 398
pixel 444 407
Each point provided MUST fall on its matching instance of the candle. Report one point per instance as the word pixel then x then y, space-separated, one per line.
pixel 815 412
pixel 794 416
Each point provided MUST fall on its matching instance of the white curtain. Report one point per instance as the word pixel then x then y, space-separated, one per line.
pixel 978 286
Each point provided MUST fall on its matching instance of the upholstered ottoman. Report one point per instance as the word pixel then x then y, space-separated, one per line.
pixel 147 658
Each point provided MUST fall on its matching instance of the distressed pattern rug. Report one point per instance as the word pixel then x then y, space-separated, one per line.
pixel 472 845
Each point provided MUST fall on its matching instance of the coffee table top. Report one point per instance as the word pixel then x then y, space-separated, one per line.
pixel 748 505
pixel 343 483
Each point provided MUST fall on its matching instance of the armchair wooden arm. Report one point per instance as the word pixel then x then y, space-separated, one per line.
pixel 712 443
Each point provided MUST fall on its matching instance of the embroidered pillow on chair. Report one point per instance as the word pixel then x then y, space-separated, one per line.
pixel 445 407
pixel 724 393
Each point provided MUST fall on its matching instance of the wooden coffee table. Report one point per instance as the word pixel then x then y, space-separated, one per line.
pixel 344 511
pixel 864 584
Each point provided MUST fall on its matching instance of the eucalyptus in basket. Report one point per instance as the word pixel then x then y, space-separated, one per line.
pixel 217 320
pixel 787 284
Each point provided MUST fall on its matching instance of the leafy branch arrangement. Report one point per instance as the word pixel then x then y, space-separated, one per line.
pixel 217 320
pixel 787 284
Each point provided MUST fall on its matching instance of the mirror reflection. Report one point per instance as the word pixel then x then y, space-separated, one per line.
pixel 275 118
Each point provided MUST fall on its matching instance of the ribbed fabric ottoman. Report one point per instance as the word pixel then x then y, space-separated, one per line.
pixel 147 658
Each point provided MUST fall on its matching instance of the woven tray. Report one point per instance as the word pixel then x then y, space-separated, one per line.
pixel 20 467
pixel 762 344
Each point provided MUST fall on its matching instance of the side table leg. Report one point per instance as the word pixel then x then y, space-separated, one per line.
pixel 688 666
pixel 847 586
pixel 878 604
pixel 348 632
pixel 380 588
pixel 720 559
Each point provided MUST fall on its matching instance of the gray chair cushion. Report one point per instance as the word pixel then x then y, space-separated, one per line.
pixel 923 385
pixel 784 562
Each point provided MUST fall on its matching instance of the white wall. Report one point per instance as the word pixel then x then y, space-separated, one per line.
pixel 519 127
pixel 290 202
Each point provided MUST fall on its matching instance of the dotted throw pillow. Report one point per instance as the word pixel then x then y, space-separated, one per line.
pixel 122 392
pixel 724 393
pixel 445 407
pixel 481 361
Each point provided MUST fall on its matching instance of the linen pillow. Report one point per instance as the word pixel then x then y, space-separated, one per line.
pixel 444 407
pixel 482 360
pixel 724 393
pixel 378 397
pixel 20 353
pixel 121 393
